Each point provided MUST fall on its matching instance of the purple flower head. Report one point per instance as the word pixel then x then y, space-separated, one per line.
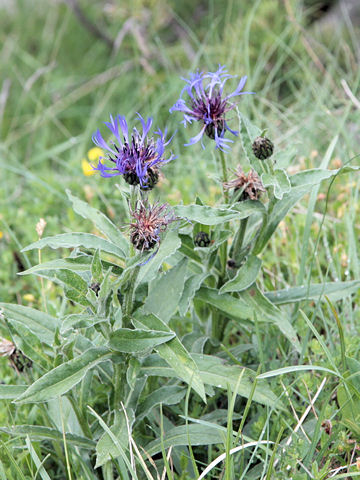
pixel 149 222
pixel 134 155
pixel 208 104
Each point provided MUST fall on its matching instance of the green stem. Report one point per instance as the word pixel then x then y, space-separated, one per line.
pixel 129 296
pixel 119 378
pixel 239 238
pixel 224 175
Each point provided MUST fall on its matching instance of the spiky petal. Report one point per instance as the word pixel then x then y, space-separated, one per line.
pixel 135 155
pixel 208 105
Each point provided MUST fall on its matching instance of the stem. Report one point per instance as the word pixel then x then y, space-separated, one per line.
pixel 224 175
pixel 239 239
pixel 129 296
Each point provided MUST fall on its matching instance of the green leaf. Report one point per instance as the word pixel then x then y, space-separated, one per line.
pixel 62 378
pixel 73 240
pixel 245 276
pixel 39 323
pixel 204 214
pixel 317 175
pixel 9 392
pixel 75 287
pixel 167 395
pixel 170 244
pixel 165 292
pixel 173 352
pixel 266 311
pixel 250 302
pixel 195 434
pixel 44 433
pixel 80 264
pixel 280 181
pixel 235 307
pixel 191 286
pixel 115 439
pixel 29 344
pixel 135 341
pixel 280 210
pixel 213 371
pixel 96 267
pixel 80 320
pixel 334 290
pixel 101 221
pixel 249 207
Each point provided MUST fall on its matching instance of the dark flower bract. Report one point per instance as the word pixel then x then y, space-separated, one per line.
pixel 250 184
pixel 149 222
pixel 208 104
pixel 135 155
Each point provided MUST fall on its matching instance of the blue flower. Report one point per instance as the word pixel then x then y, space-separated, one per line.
pixel 208 104
pixel 134 155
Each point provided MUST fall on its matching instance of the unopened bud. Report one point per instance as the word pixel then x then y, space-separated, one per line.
pixel 210 129
pixel 202 239
pixel 152 178
pixel 263 148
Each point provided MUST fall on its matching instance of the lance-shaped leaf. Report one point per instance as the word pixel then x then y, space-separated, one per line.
pixel 79 264
pixel 204 214
pixel 135 341
pixel 214 371
pixel 165 292
pixel 39 323
pixel 333 290
pixel 168 246
pixel 173 352
pixel 38 432
pixel 9 392
pixel 73 240
pixel 101 221
pixel 279 180
pixel 245 276
pixel 64 377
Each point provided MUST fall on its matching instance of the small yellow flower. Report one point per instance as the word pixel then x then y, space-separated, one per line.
pixel 1 234
pixel 29 297
pixel 93 155
pixel 87 168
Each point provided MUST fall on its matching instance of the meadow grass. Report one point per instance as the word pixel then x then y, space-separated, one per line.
pixel 58 84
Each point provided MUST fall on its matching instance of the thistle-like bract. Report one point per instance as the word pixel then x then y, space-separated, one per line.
pixel 149 222
pixel 135 155
pixel 208 104
pixel 250 184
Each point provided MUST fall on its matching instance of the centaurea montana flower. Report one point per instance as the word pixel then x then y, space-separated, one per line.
pixel 208 104
pixel 150 222
pixel 135 155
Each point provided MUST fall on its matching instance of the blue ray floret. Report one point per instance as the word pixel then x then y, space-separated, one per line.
pixel 208 104
pixel 134 154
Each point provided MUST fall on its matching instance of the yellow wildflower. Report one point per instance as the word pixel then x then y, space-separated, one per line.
pixel 29 297
pixel 1 234
pixel 93 155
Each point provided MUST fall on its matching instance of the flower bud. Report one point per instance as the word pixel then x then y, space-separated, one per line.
pixel 95 287
pixel 142 242
pixel 131 178
pixel 263 148
pixel 210 128
pixel 152 178
pixel 202 239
